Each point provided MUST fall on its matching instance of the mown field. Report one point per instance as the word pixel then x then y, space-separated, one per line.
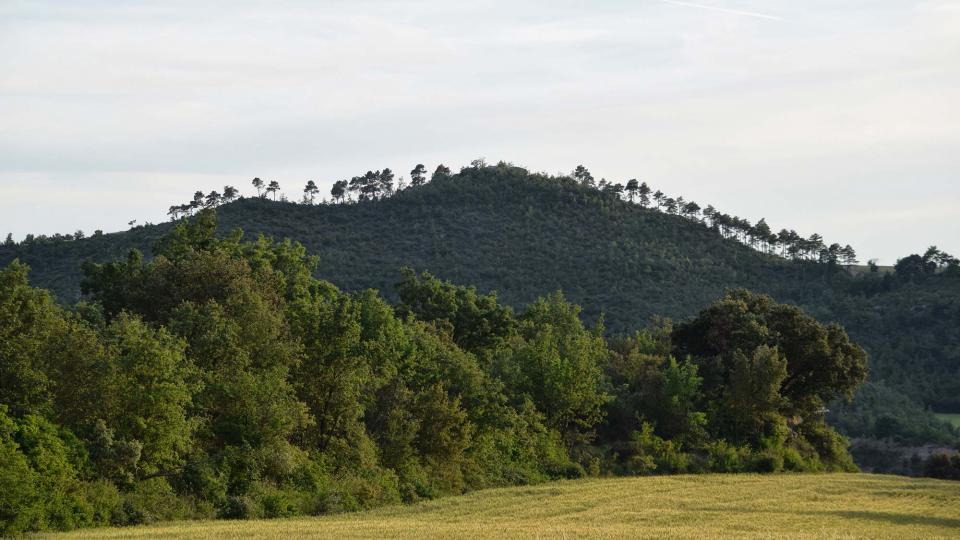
pixel 708 506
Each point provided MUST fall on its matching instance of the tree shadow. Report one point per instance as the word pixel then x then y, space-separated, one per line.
pixel 885 517
pixel 892 517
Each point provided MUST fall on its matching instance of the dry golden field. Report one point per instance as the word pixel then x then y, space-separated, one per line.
pixel 705 507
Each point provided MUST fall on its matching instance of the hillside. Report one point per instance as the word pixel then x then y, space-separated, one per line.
pixel 520 235
pixel 523 235
pixel 709 506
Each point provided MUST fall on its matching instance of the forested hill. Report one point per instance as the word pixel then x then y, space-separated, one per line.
pixel 525 235
pixel 498 229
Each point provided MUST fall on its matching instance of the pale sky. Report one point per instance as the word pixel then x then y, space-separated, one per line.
pixel 835 117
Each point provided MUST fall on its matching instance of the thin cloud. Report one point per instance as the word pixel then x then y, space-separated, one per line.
pixel 724 10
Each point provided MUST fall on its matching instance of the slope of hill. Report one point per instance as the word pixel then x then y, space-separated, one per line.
pixel 709 506
pixel 524 235
pixel 499 229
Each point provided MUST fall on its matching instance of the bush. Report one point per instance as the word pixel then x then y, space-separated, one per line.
pixel 724 458
pixel 154 500
pixel 766 461
pixel 20 503
pixel 203 480
pixel 238 507
pixel 273 502
pixel 39 478
pixel 365 491
pixel 654 454
pixel 943 466
pixel 794 461
pixel 105 501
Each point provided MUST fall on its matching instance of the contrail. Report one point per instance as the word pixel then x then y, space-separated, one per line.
pixel 724 10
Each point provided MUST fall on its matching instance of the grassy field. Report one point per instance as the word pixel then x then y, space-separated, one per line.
pixel 711 506
pixel 952 418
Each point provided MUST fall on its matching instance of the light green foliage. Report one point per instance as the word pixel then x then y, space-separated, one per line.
pixel 652 454
pixel 137 387
pixel 30 324
pixel 154 388
pixel 40 480
pixel 559 364
pixel 335 377
pixel 20 504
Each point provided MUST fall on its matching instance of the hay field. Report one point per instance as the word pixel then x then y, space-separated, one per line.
pixel 707 506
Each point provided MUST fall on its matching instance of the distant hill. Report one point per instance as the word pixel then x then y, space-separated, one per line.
pixel 524 235
pixel 502 230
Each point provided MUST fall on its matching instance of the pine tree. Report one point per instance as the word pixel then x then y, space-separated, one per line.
pixel 442 171
pixel 212 199
pixel 631 188
pixel 274 187
pixel 418 176
pixel 385 181
pixel 644 193
pixel 229 193
pixel 659 197
pixel 582 175
pixel 310 191
pixel 339 190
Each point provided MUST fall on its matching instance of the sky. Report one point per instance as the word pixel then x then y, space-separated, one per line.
pixel 837 118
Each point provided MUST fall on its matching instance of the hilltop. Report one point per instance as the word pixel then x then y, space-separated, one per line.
pixel 499 229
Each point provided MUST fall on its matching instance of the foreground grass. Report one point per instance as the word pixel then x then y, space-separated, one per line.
pixel 709 506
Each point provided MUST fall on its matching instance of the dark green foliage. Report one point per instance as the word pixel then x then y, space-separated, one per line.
pixel 769 369
pixel 943 466
pixel 909 328
pixel 823 363
pixel 730 405
pixel 880 413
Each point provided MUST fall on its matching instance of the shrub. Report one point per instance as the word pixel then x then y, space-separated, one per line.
pixel 153 500
pixel 766 461
pixel 105 501
pixel 273 502
pixel 654 454
pixel 20 503
pixel 40 480
pixel 724 458
pixel 238 507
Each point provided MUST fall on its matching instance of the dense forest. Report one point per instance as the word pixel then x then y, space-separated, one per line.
pixel 615 248
pixel 220 378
